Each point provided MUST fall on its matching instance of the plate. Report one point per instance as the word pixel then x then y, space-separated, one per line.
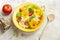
pixel 28 17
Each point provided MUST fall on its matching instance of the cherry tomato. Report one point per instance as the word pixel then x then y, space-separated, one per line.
pixel 7 9
pixel 20 10
pixel 26 22
pixel 30 13
pixel 19 19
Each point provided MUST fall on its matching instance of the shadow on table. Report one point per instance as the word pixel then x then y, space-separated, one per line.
pixel 18 32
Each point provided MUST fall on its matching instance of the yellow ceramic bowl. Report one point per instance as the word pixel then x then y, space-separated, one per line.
pixel 23 29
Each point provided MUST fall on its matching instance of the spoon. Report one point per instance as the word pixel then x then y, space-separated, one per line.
pixel 50 18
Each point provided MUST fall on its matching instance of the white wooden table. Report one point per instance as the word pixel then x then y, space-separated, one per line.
pixel 52 31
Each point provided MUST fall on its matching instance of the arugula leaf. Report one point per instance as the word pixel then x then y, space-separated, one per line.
pixel 30 18
pixel 30 10
pixel 18 14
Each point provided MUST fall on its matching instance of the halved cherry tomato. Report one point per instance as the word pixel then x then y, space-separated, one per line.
pixel 26 22
pixel 30 13
pixel 20 10
pixel 19 19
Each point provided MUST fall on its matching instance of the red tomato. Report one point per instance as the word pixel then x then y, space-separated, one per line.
pixel 7 9
pixel 26 22
pixel 19 19
pixel 30 13
pixel 20 10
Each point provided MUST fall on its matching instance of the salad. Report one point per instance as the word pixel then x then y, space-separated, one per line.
pixel 29 16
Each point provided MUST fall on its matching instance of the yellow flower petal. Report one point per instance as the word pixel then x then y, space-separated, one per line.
pixel 24 14
pixel 37 12
pixel 33 24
